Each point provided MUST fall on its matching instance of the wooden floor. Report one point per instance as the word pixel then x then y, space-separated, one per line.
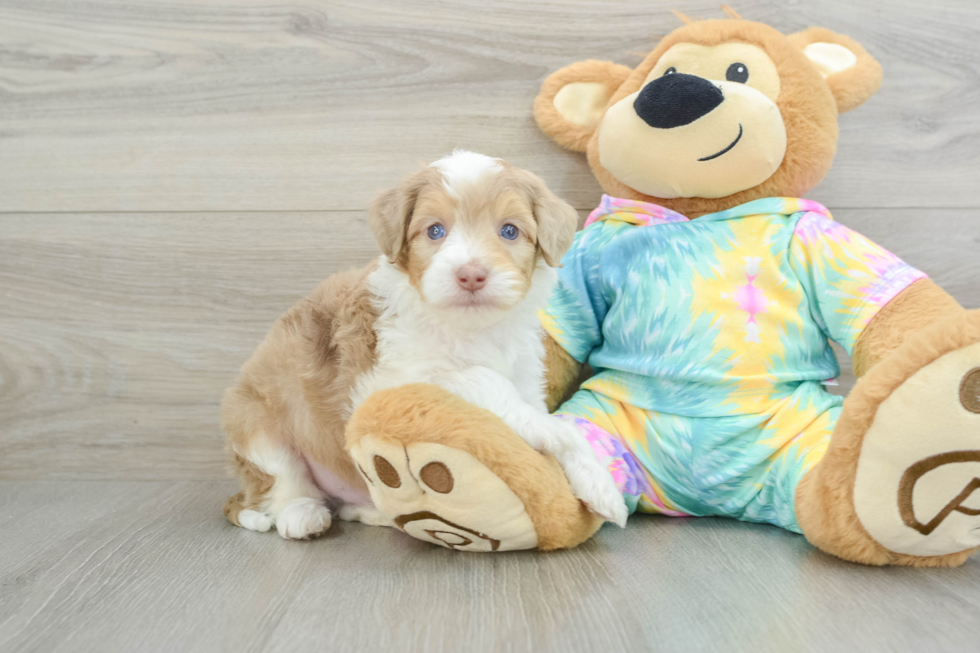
pixel 173 175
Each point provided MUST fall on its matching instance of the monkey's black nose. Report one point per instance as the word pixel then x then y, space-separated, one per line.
pixel 675 100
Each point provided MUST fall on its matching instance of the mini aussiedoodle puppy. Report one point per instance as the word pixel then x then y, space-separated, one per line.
pixel 470 245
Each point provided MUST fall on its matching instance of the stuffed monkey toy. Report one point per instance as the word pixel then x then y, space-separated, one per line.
pixel 704 296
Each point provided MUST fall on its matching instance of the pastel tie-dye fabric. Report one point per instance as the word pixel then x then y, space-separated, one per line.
pixel 710 343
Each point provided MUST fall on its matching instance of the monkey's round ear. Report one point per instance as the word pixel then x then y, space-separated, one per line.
pixel 852 74
pixel 572 99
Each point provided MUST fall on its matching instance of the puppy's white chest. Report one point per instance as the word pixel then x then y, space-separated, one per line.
pixel 408 356
pixel 416 344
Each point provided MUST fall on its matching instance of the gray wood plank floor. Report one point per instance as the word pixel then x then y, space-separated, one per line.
pixel 123 106
pixel 175 175
pixel 154 567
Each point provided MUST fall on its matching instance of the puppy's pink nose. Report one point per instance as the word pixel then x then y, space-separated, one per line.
pixel 471 277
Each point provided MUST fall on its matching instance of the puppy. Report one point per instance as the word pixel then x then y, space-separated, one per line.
pixel 470 245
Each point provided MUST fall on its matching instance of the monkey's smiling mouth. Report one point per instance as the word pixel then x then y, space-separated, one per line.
pixel 733 143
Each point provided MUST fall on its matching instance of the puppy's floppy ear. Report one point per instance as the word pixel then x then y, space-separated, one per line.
pixel 572 100
pixel 852 74
pixel 556 219
pixel 390 214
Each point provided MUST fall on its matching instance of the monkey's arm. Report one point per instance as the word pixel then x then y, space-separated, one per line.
pixel 915 308
pixel 561 372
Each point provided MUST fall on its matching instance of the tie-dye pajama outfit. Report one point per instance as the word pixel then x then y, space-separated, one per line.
pixel 709 341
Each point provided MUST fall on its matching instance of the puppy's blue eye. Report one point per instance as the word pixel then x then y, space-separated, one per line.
pixel 437 231
pixel 509 231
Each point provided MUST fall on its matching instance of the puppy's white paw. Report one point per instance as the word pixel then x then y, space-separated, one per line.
pixel 551 435
pixel 254 520
pixel 594 485
pixel 302 519
pixel 536 433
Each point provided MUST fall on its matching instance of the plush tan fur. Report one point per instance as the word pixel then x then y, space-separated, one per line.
pixel 561 373
pixel 919 325
pixel 418 413
pixel 808 104
pixel 574 137
pixel 854 86
pixel 825 496
pixel 808 109
pixel 921 304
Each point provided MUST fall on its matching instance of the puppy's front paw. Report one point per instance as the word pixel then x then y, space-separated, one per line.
pixel 254 520
pixel 303 519
pixel 537 433
pixel 552 435
pixel 595 486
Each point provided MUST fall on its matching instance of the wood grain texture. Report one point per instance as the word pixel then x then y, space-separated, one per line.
pixel 121 331
pixel 211 160
pixel 310 105
pixel 163 571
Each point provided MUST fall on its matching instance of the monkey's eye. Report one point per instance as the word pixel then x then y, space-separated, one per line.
pixel 670 71
pixel 737 72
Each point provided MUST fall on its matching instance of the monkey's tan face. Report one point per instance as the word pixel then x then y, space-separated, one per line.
pixel 704 123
